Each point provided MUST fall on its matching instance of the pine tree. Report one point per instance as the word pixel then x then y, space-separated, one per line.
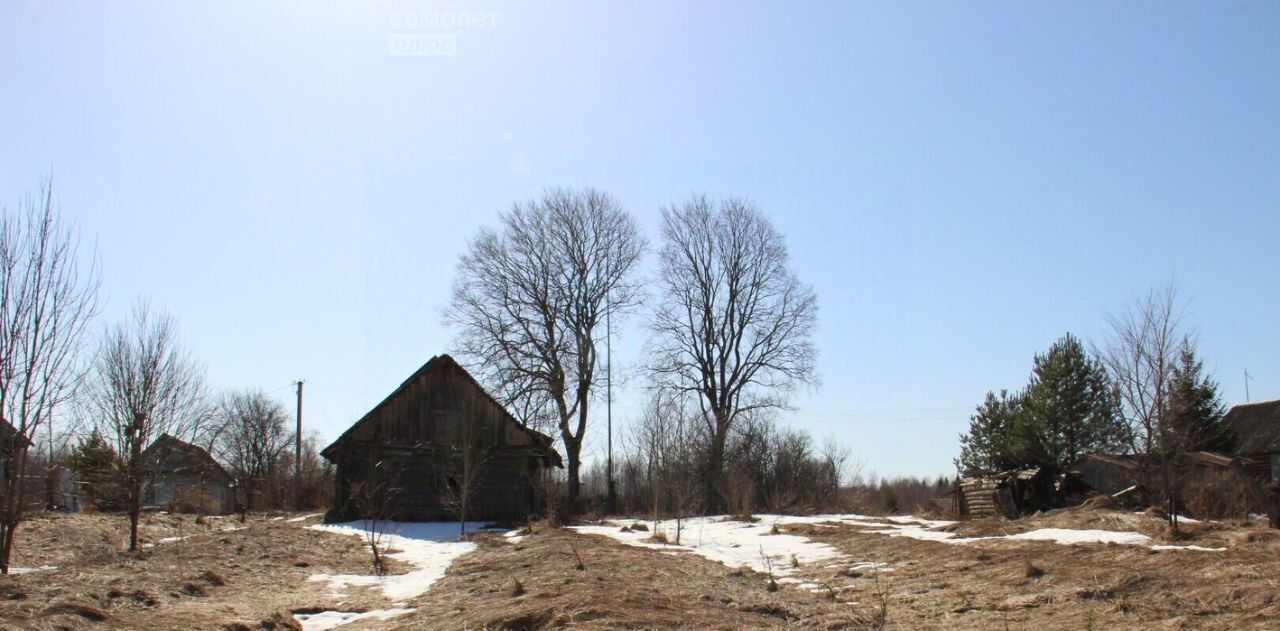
pixel 992 442
pixel 98 469
pixel 1072 407
pixel 1195 409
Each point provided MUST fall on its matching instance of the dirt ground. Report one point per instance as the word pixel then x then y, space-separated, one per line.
pixel 227 575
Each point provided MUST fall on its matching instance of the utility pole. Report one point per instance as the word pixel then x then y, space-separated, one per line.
pixel 297 452
pixel 611 499
pixel 1246 385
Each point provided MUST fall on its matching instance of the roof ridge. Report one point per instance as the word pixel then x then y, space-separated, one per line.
pixel 1249 403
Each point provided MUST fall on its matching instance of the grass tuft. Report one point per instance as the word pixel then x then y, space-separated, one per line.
pixel 1030 570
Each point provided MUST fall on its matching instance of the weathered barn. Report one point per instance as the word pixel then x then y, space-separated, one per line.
pixel 1253 431
pixel 437 435
pixel 184 477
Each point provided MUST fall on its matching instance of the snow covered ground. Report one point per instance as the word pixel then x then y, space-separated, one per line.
pixel 751 544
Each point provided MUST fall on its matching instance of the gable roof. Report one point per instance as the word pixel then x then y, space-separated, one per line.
pixel 10 433
pixel 1254 428
pixel 197 454
pixel 439 362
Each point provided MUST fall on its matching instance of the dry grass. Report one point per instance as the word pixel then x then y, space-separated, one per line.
pixel 622 587
pixel 1045 586
pixel 251 579
pixel 213 578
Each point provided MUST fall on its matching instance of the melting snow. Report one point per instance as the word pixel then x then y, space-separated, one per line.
pixel 28 570
pixel 1069 536
pixel 1196 548
pixel 743 544
pixel 294 520
pixel 326 620
pixel 733 543
pixel 429 546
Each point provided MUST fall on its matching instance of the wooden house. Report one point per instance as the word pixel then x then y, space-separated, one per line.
pixel 184 477
pixel 418 451
pixel 1253 432
pixel 12 443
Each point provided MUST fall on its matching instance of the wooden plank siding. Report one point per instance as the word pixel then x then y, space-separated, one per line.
pixel 417 433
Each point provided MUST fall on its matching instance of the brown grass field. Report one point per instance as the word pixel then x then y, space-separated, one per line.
pixel 227 575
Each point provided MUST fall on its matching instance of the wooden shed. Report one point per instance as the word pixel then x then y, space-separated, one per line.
pixel 413 449
pixel 184 477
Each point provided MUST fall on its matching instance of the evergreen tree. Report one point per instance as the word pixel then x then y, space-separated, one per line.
pixel 1072 407
pixel 1194 407
pixel 992 443
pixel 98 469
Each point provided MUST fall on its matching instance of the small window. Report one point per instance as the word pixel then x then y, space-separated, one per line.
pixel 1275 469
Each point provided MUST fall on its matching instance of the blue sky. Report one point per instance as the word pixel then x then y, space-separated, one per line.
pixel 961 183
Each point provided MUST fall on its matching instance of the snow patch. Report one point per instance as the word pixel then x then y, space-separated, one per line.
pixel 1069 536
pixel 294 520
pixel 1196 548
pixel 326 620
pixel 431 547
pixel 28 570
pixel 733 543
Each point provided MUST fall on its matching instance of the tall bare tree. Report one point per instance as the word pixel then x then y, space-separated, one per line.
pixel 530 297
pixel 47 299
pixel 734 323
pixel 143 384
pixel 1142 353
pixel 254 437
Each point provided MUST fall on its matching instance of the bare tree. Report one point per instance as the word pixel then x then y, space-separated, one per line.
pixel 464 466
pixel 143 384
pixel 734 324
pixel 377 496
pixel 663 439
pixel 254 437
pixel 529 297
pixel 1142 355
pixel 47 299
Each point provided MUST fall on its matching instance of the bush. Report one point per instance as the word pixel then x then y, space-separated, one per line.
pixel 1216 495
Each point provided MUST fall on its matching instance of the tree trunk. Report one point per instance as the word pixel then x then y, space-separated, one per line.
pixel 715 473
pixel 573 449
pixel 6 545
pixel 135 511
